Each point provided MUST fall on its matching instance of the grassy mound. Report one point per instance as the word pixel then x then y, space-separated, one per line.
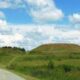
pixel 56 48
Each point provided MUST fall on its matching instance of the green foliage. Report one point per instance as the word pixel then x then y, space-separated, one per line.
pixel 14 48
pixel 50 65
pixel 66 68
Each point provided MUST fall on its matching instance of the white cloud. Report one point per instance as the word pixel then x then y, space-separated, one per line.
pixel 35 35
pixel 44 10
pixel 7 36
pixel 39 10
pixel 8 40
pixel 30 36
pixel 11 4
pixel 75 18
pixel 3 22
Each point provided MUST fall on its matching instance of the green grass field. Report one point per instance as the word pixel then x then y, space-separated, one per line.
pixel 47 62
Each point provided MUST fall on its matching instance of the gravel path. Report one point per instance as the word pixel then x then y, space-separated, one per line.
pixel 6 75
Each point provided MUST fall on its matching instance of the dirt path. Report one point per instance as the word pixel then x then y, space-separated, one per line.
pixel 12 60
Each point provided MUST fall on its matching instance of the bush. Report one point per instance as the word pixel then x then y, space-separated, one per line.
pixel 14 48
pixel 66 68
pixel 50 65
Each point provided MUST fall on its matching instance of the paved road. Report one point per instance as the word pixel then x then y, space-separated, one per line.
pixel 5 75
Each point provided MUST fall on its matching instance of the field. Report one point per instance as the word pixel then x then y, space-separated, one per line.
pixel 47 62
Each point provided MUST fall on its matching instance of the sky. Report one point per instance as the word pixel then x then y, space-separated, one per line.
pixel 30 23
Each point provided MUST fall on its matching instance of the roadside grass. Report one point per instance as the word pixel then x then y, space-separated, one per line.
pixel 37 66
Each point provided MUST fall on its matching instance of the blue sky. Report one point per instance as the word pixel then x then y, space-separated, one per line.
pixel 69 6
pixel 30 23
pixel 21 16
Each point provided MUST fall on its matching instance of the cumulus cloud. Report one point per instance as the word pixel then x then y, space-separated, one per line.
pixel 7 35
pixel 30 36
pixel 11 3
pixel 44 10
pixel 9 40
pixel 75 18
pixel 39 10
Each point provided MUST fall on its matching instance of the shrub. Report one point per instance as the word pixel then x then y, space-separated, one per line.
pixel 66 68
pixel 50 65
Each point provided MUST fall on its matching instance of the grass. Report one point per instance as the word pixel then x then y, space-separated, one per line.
pixel 37 66
pixel 43 65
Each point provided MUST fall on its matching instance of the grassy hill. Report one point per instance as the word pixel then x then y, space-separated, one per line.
pixel 46 62
pixel 8 57
pixel 8 53
pixel 57 48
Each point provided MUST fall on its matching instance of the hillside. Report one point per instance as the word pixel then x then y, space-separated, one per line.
pixel 56 48
pixel 9 53
pixel 59 62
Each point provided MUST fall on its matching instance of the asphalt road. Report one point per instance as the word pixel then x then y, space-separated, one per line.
pixel 6 75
